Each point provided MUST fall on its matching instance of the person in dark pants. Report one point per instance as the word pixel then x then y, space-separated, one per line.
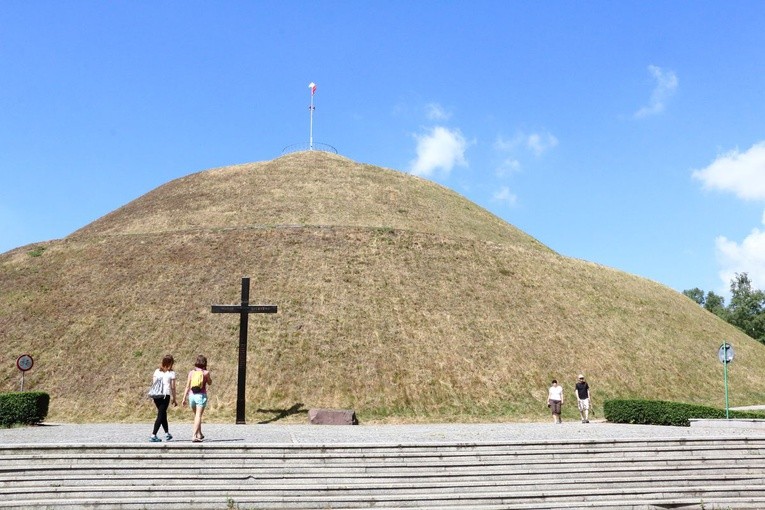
pixel 166 373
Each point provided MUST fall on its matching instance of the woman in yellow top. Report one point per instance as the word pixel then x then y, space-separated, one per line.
pixel 196 390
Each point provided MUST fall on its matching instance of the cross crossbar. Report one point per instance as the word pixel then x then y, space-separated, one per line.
pixel 244 309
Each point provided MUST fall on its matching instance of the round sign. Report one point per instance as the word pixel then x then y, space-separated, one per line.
pixel 24 362
pixel 725 354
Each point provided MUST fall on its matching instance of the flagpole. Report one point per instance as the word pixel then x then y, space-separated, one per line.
pixel 311 86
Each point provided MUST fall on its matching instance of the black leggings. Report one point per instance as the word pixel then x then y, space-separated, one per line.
pixel 161 421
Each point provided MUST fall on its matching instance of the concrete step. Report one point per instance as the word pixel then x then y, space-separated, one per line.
pixel 324 455
pixel 256 467
pixel 298 480
pixel 296 474
pixel 590 474
pixel 716 499
pixel 403 448
pixel 360 490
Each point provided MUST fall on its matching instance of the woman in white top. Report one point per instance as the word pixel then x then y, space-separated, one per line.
pixel 555 400
pixel 165 372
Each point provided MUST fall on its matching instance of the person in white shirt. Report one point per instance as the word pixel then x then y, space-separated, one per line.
pixel 166 373
pixel 555 400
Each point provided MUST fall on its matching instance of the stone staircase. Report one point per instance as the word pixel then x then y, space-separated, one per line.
pixel 661 473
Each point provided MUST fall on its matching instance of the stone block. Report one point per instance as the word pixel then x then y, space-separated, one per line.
pixel 332 417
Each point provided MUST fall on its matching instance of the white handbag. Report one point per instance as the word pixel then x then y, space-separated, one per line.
pixel 156 390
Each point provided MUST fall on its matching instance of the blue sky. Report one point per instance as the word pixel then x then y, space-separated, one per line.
pixel 630 133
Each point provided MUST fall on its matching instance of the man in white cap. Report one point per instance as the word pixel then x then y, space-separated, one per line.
pixel 583 398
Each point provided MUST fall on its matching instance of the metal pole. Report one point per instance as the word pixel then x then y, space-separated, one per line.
pixel 22 380
pixel 725 364
pixel 310 132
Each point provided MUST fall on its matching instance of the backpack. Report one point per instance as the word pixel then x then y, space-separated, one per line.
pixel 197 380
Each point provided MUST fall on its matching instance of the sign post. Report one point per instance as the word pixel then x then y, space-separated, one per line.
pixel 24 363
pixel 725 355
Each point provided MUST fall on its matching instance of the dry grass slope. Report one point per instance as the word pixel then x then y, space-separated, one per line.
pixel 397 297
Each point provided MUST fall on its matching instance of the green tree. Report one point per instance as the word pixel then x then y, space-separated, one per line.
pixel 746 310
pixel 716 305
pixel 711 301
pixel 695 294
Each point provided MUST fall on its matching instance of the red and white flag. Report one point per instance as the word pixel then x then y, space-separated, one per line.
pixel 312 86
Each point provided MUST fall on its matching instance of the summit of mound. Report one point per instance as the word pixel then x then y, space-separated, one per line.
pixel 305 189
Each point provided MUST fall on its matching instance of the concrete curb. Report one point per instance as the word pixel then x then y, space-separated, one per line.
pixel 730 424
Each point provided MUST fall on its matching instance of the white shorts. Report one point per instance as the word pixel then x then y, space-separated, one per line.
pixel 584 404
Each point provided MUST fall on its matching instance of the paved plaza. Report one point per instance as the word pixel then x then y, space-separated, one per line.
pixel 108 433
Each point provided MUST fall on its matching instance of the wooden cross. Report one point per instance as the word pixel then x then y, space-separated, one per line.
pixel 244 310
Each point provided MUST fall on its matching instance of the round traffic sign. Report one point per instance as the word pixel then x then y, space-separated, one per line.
pixel 725 354
pixel 24 362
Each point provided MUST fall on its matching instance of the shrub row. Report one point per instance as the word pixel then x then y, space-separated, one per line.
pixel 658 412
pixel 23 408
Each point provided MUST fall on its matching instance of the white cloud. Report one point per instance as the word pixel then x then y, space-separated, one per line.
pixel 741 174
pixel 502 144
pixel 435 111
pixel 505 196
pixel 746 257
pixel 507 167
pixel 441 148
pixel 539 143
pixel 666 85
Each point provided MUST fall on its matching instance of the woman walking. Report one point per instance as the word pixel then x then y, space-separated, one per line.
pixel 167 375
pixel 555 400
pixel 196 389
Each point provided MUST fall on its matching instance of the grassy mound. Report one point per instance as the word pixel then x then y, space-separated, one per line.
pixel 397 298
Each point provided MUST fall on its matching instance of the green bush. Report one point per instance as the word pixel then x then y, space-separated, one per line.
pixel 23 408
pixel 658 412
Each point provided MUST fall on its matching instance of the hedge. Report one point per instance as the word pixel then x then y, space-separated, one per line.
pixel 23 408
pixel 659 412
